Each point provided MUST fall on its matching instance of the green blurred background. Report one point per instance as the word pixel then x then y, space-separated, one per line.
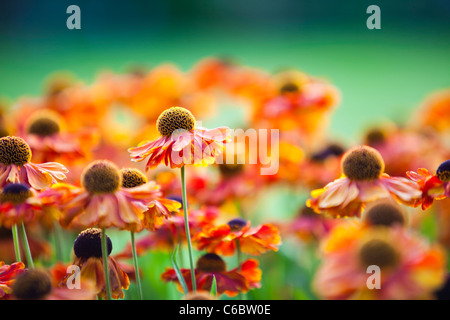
pixel 382 74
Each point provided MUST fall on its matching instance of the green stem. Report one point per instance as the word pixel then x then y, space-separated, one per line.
pixel 26 246
pixel 136 267
pixel 105 264
pixel 58 241
pixel 15 234
pixel 186 227
pixel 239 260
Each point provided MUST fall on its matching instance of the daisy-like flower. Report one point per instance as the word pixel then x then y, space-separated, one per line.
pixel 224 239
pixel 409 267
pixel 48 141
pixel 88 252
pixel 159 209
pixel 8 274
pixel 434 187
pixel 181 142
pixel 229 282
pixel 309 226
pixel 18 204
pixel 363 181
pixel 15 166
pixel 36 284
pixel 101 201
pixel 384 212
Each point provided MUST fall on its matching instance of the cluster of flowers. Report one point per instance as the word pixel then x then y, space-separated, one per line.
pixel 88 159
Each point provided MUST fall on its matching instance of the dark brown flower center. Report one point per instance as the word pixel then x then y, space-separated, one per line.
pixel 237 224
pixel 362 163
pixel 173 119
pixel 379 253
pixel 132 178
pixel 15 193
pixel 443 171
pixel 32 285
pixel 384 214
pixel 211 262
pixel 101 176
pixel 14 150
pixel 44 127
pixel 89 244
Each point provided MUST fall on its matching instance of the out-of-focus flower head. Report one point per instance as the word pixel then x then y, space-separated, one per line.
pixel 435 112
pixel 321 166
pixel 37 284
pixel 159 209
pixel 18 204
pixel 363 181
pixel 409 267
pixel 88 252
pixel 302 104
pixel 405 149
pixel 229 282
pixel 238 233
pixel 8 274
pixel 434 187
pixel 308 226
pixel 102 201
pixel 172 232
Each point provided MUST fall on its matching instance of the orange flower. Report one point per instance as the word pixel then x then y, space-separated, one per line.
pixel 363 181
pixel 15 166
pixel 37 284
pixel 18 203
pixel 229 283
pixel 158 209
pixel 8 274
pixel 409 267
pixel 309 226
pixel 181 142
pixel 172 232
pixel 434 187
pixel 49 141
pixel 224 239
pixel 101 201
pixel 88 252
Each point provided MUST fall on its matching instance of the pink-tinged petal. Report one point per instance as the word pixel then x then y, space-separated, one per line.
pixel 403 188
pixel 372 190
pixel 181 140
pixel 56 170
pixel 335 193
pixel 36 178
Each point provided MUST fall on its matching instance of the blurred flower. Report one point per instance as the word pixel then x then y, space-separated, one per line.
pixel 409 267
pixel 158 209
pixel 363 181
pixel 172 232
pixel 181 142
pixel 404 149
pixel 8 274
pixel 15 166
pixel 101 201
pixel 36 284
pixel 435 111
pixel 49 141
pixel 229 283
pixel 18 203
pixel 238 233
pixel 308 226
pixel 434 187
pixel 88 252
